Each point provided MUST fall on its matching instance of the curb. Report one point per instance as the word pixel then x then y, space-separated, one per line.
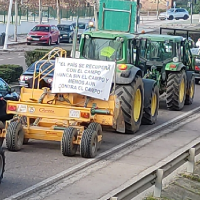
pixel 11 50
pixel 16 43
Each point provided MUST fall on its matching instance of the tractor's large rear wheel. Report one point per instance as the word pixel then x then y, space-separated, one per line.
pixel 190 92
pixel 151 111
pixel 132 103
pixel 2 163
pixel 176 90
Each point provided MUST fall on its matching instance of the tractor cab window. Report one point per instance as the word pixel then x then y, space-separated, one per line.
pixel 160 50
pixel 102 49
pixel 186 53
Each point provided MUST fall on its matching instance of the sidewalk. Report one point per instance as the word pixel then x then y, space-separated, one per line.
pixel 95 182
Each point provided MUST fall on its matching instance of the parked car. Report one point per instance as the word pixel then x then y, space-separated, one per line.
pixel 66 32
pixel 6 93
pixel 177 13
pixel 197 70
pixel 26 79
pixel 196 54
pixel 82 27
pixel 46 34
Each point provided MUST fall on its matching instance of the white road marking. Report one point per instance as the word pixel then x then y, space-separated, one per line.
pixel 10 58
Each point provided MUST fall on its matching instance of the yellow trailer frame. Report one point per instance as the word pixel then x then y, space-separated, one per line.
pixel 69 118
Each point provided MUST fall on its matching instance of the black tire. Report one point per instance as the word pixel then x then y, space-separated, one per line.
pixel 171 17
pixel 67 147
pixel 28 43
pixel 185 17
pixel 190 92
pixel 126 94
pixel 2 163
pixel 89 144
pixel 2 126
pixel 49 44
pixel 151 112
pixel 173 99
pixel 96 127
pixel 58 40
pixel 14 136
pixel 197 81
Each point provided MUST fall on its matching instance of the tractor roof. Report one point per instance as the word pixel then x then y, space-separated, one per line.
pixel 161 38
pixel 109 34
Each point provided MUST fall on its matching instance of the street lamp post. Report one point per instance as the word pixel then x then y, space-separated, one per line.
pixel 8 24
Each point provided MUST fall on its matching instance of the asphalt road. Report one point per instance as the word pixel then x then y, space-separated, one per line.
pixel 12 57
pixel 41 159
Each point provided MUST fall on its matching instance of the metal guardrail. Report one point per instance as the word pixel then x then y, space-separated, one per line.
pixel 155 177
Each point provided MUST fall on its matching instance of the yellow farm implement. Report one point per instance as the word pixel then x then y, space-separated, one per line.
pixel 74 119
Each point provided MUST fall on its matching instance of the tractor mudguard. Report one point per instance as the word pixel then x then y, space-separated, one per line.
pixel 174 66
pixel 148 85
pixel 189 75
pixel 125 80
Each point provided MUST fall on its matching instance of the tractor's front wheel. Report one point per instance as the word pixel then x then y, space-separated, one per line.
pixel 14 136
pixel 132 103
pixel 190 92
pixel 176 90
pixel 2 163
pixel 151 111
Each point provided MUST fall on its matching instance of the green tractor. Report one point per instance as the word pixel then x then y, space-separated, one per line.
pixel 115 41
pixel 168 60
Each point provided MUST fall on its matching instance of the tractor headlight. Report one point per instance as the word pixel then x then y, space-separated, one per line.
pixel 175 59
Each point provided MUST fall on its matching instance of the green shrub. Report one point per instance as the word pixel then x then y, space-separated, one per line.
pixel 18 70
pixel 7 74
pixel 37 54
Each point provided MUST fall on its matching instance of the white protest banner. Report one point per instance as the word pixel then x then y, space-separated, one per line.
pixel 87 77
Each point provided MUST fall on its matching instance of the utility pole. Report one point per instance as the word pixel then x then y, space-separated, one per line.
pixel 40 11
pixel 58 11
pixel 157 8
pixel 95 15
pixel 191 7
pixel 16 20
pixel 8 24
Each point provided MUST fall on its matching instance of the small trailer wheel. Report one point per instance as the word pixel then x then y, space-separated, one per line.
pixel 14 136
pixel 68 148
pixel 2 163
pixel 96 127
pixel 89 143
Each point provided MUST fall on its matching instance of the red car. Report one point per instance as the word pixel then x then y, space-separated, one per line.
pixel 46 34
